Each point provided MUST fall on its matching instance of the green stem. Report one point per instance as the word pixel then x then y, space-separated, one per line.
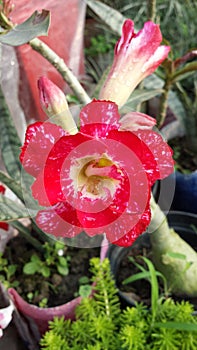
pixel 164 103
pixel 26 234
pixel 62 68
pixel 151 10
pixel 190 67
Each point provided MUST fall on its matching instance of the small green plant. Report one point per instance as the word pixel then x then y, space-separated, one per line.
pixel 101 324
pixel 32 295
pixel 53 258
pixel 85 287
pixel 7 272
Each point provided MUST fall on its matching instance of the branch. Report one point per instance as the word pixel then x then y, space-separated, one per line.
pixel 62 68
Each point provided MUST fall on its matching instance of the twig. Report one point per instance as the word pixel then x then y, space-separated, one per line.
pixel 151 7
pixel 62 68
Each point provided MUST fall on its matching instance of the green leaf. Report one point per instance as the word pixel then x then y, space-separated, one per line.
pixel 35 259
pixel 85 290
pixel 63 261
pixel 59 245
pixel 138 96
pixel 113 18
pixel 9 141
pixel 10 210
pixel 63 270
pixel 136 277
pixel 176 255
pixel 36 25
pixel 177 325
pixel 84 280
pixel 30 268
pixel 12 184
pixel 45 271
pixel 11 270
pixel 154 286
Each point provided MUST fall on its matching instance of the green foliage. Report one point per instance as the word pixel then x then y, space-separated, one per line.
pixel 10 142
pixel 52 259
pixel 102 325
pixel 7 272
pixel 85 287
pixel 36 25
pixel 99 44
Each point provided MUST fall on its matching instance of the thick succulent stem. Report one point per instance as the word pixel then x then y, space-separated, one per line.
pixel 172 255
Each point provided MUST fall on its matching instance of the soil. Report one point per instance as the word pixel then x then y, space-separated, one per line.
pixel 57 289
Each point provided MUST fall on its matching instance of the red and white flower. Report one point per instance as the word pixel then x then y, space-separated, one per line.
pixel 136 56
pixel 99 179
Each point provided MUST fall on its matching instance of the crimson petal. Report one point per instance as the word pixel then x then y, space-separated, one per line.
pixel 161 151
pixel 48 187
pixel 99 112
pixel 39 140
pixel 140 149
pixel 128 237
pixel 60 220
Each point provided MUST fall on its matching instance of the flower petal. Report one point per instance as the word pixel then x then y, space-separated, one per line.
pixel 129 237
pixel 100 112
pixel 136 56
pixel 141 150
pixel 60 220
pixel 39 140
pixel 49 187
pixel 160 150
pixel 96 215
pixel 135 120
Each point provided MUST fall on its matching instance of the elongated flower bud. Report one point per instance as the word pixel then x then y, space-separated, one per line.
pixel 136 56
pixel 54 104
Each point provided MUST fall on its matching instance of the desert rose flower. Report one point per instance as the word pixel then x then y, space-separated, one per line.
pixel 99 179
pixel 136 56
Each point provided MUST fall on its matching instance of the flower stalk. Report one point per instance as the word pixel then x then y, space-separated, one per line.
pixel 151 10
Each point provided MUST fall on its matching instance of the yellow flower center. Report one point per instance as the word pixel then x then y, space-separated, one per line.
pixel 93 177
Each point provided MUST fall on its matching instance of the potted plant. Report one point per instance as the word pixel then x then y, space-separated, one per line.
pixel 102 324
pixel 96 177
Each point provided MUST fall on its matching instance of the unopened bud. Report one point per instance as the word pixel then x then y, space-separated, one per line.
pixel 54 104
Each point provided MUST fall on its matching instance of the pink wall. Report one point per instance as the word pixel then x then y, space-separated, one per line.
pixel 65 38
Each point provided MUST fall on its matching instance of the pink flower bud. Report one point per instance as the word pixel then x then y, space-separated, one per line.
pixel 54 104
